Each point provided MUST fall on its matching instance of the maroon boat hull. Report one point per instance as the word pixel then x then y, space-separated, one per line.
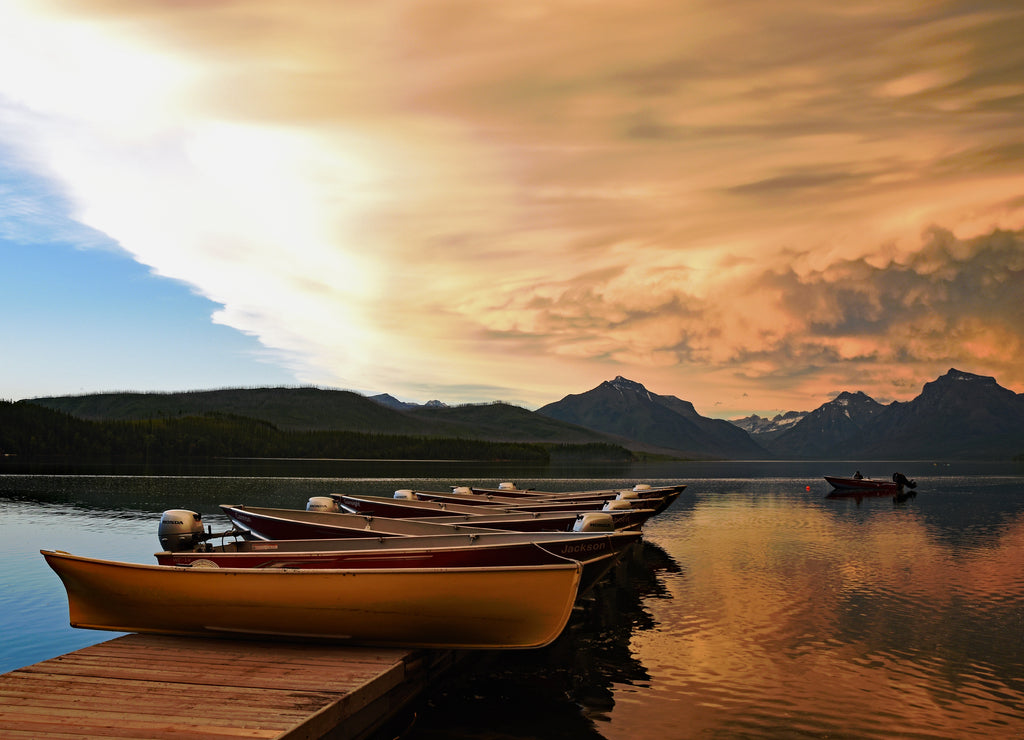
pixel 603 494
pixel 285 524
pixel 418 508
pixel 863 486
pixel 542 522
pixel 525 504
pixel 596 552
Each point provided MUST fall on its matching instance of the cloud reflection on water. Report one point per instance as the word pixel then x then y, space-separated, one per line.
pixel 796 618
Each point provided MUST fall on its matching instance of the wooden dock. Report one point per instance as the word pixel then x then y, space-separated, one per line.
pixel 170 688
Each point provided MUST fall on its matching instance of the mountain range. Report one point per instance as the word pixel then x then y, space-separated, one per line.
pixel 957 416
pixel 628 410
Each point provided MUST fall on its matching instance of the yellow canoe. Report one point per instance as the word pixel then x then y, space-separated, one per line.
pixel 457 608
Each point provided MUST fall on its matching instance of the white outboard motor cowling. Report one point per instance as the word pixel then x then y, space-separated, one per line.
pixel 594 521
pixel 404 493
pixel 462 489
pixel 507 486
pixel 322 503
pixel 180 530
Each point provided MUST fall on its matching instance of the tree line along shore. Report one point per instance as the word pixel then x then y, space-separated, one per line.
pixel 29 431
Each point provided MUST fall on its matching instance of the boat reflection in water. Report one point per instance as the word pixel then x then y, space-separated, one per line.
pixel 570 683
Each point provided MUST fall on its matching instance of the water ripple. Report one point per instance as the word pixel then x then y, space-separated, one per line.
pixel 757 610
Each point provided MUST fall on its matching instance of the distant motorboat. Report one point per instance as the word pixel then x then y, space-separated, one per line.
pixel 870 486
pixel 862 485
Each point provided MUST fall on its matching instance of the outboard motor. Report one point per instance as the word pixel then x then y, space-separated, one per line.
pixel 322 503
pixel 641 487
pixel 627 495
pixel 594 521
pixel 616 505
pixel 180 530
pixel 507 486
pixel 461 489
pixel 404 493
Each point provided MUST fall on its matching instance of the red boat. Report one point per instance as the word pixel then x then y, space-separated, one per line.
pixel 643 490
pixel 404 508
pixel 870 486
pixel 295 524
pixel 291 524
pixel 596 551
pixel 509 503
pixel 546 521
pixel 863 485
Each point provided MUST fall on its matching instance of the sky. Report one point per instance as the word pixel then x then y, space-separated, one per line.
pixel 751 206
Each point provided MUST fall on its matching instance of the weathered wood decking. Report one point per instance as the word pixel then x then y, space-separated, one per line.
pixel 170 688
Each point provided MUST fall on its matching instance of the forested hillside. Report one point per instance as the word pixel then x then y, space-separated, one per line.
pixel 318 409
pixel 28 430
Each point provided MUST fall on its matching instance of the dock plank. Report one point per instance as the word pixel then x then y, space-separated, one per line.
pixel 171 688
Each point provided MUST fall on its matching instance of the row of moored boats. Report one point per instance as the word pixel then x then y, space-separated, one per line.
pixel 470 568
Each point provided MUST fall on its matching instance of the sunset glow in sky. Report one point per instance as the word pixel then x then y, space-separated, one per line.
pixel 752 206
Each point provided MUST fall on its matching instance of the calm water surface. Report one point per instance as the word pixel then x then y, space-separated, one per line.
pixel 757 606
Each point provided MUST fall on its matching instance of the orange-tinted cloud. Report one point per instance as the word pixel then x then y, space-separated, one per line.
pixel 471 202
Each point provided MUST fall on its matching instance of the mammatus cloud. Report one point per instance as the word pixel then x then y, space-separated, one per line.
pixel 466 202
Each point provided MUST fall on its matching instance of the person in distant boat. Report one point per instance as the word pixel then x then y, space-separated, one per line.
pixel 858 476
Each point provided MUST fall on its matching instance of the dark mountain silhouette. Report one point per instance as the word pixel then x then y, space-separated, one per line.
pixel 958 415
pixel 827 430
pixel 627 409
pixel 503 422
pixel 386 399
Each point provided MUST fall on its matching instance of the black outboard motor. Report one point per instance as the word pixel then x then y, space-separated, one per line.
pixel 902 481
pixel 180 530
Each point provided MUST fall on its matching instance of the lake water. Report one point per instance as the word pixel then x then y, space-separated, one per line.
pixel 757 606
